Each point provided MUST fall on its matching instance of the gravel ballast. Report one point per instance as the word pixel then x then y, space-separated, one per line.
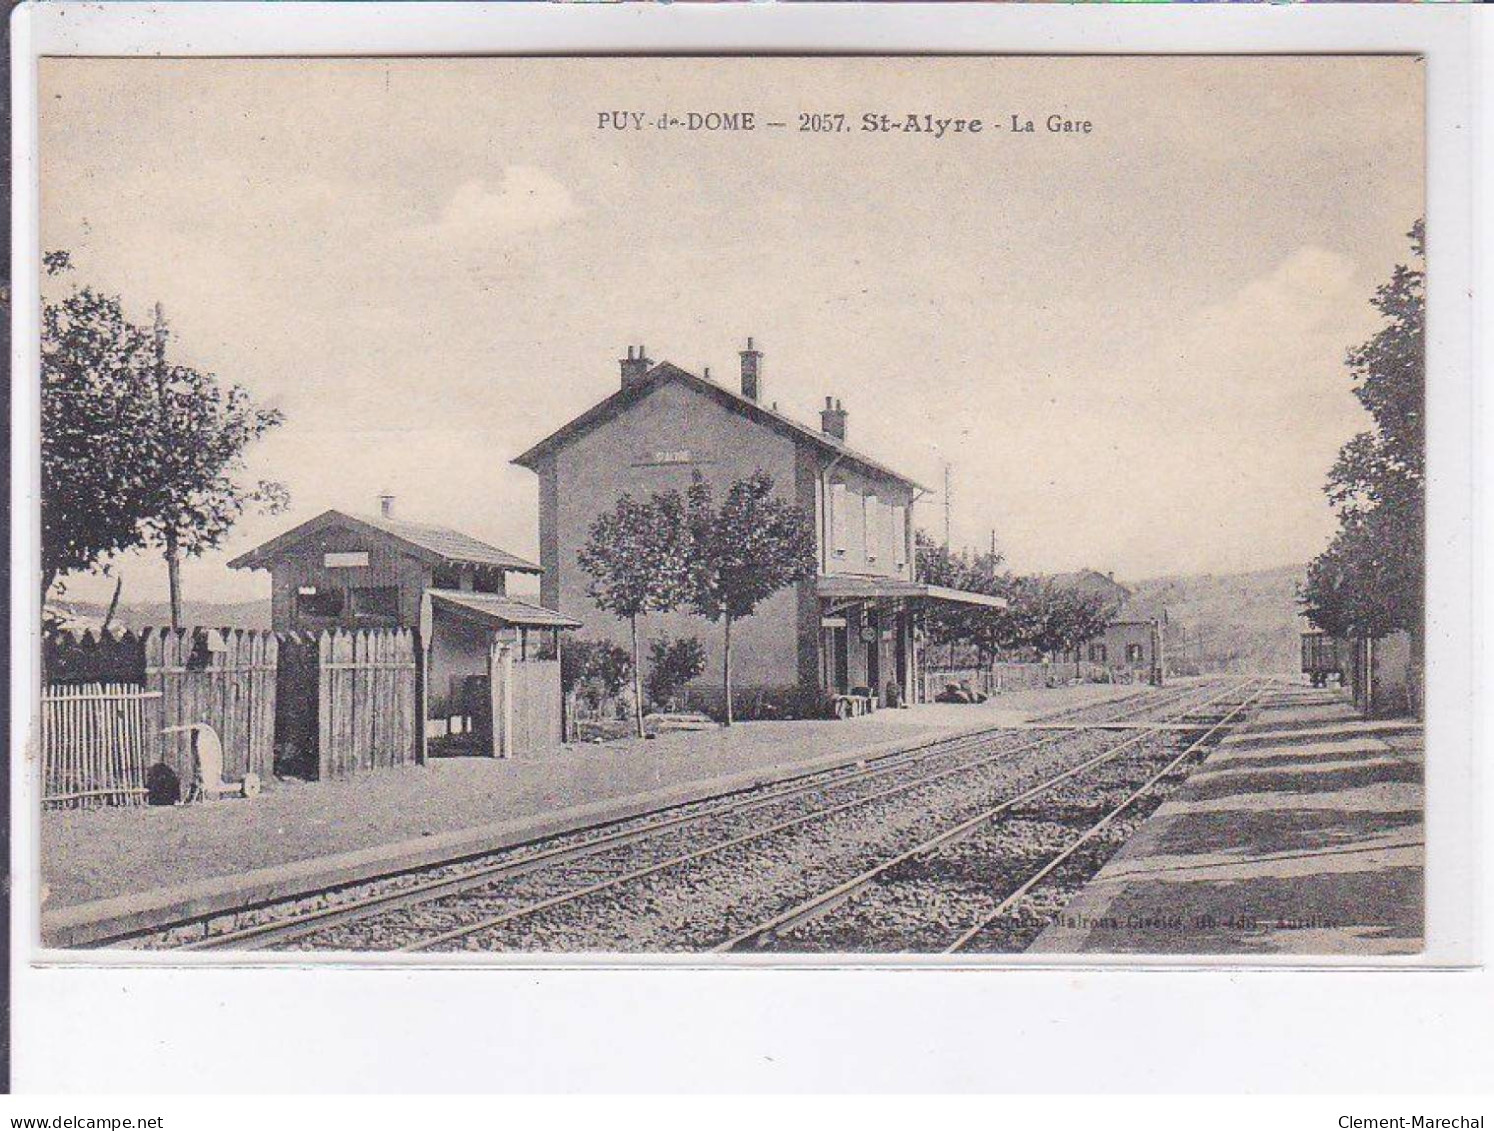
pixel 693 904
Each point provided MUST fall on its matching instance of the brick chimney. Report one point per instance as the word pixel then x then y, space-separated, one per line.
pixel 386 505
pixel 635 366
pixel 833 419
pixel 752 372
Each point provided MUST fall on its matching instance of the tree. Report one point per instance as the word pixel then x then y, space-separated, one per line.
pixel 637 559
pixel 597 668
pixel 199 436
pixel 98 455
pixel 947 624
pixel 135 452
pixel 1357 586
pixel 743 552
pixel 1370 581
pixel 989 631
pixel 1052 618
pixel 672 664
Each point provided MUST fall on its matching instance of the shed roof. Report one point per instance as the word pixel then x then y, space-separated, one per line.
pixel 667 372
pixel 491 608
pixel 438 544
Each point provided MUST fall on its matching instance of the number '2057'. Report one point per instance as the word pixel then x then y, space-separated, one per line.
pixel 822 123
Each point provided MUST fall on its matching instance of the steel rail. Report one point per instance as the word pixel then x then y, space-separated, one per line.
pixel 1006 904
pixel 292 927
pixel 527 910
pixel 816 906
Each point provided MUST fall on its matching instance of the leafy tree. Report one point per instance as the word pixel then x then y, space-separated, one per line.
pixel 201 430
pixel 98 468
pixel 1360 585
pixel 673 664
pixel 637 557
pixel 743 552
pixel 988 631
pixel 1040 615
pixel 599 667
pixel 943 624
pixel 135 452
pixel 1051 618
pixel 1370 581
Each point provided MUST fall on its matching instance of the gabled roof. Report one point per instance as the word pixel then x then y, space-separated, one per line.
pixel 439 545
pixel 1135 610
pixel 491 608
pixel 667 372
pixel 1091 581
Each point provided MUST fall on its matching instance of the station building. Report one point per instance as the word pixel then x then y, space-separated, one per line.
pixel 851 627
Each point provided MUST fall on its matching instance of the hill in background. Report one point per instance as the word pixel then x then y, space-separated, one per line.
pixel 1231 622
pixel 157 614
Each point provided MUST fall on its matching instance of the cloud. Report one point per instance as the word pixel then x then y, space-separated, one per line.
pixel 524 199
pixel 1297 294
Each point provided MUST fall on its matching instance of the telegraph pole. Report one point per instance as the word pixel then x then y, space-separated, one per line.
pixel 170 546
pixel 947 489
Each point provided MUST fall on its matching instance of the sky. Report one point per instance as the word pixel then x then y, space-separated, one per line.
pixel 1126 345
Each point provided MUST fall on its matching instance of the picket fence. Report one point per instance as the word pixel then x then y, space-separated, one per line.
pixel 366 694
pixel 96 744
pixel 224 678
pixel 325 705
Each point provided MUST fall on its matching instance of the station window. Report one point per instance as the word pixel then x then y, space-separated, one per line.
pixel 1135 653
pixel 1097 653
pixel 313 602
pixel 376 601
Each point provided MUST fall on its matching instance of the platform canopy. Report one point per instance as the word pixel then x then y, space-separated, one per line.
pixel 847 588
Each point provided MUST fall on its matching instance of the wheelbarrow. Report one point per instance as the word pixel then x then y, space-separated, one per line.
pixel 208 784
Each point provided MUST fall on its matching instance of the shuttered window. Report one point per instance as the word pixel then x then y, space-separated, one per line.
pixel 838 517
pixel 871 524
pixel 900 537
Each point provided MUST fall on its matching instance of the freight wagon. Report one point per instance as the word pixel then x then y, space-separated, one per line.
pixel 1322 658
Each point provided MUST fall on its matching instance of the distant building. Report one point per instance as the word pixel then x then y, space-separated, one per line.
pixel 850 627
pixel 346 571
pixel 1134 641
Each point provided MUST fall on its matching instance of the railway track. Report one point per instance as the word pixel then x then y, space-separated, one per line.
pixel 284 921
pixel 903 893
pixel 484 902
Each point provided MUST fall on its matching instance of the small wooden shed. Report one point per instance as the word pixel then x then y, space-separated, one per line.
pixel 343 571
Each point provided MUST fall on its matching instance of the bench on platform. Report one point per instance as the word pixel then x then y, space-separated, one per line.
pixel 853 706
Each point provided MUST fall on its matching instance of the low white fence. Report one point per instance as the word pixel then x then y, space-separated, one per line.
pixel 1004 677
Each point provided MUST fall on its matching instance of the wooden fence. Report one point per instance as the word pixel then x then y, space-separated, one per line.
pixel 366 701
pixel 97 741
pixel 323 706
pixel 527 703
pixel 224 678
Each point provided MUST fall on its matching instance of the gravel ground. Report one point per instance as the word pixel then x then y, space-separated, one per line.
pixel 87 855
pixel 689 905
pixel 927 902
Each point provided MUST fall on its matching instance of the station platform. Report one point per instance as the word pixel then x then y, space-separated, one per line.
pixel 106 867
pixel 1301 834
